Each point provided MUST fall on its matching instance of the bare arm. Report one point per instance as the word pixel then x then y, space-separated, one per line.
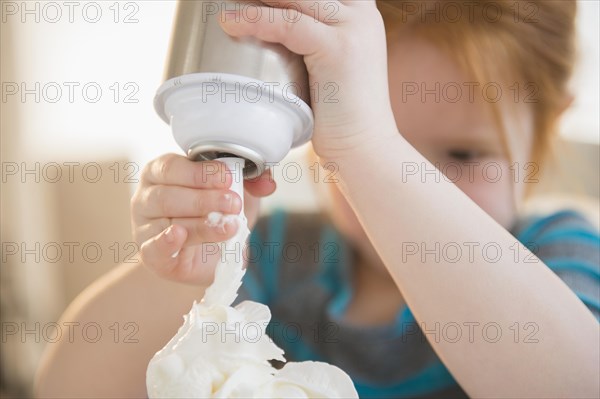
pixel 566 360
pixel 149 310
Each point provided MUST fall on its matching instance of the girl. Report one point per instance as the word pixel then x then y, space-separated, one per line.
pixel 425 280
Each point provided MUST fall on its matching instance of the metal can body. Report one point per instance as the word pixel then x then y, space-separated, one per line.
pixel 199 45
pixel 226 96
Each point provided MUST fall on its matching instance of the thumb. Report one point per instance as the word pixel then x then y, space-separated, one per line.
pixel 261 186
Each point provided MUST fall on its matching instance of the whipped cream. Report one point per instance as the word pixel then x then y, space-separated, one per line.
pixel 222 351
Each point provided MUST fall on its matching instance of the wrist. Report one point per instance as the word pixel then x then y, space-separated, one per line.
pixel 366 143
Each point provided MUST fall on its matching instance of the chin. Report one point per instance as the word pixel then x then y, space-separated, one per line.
pixel 503 212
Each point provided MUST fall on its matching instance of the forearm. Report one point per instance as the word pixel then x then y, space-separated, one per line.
pixel 395 208
pixel 148 310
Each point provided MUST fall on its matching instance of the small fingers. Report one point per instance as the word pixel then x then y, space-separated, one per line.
pixel 173 169
pixel 301 35
pixel 198 230
pixel 160 201
pixel 160 252
pixel 261 186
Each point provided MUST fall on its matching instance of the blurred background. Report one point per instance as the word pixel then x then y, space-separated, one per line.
pixel 78 126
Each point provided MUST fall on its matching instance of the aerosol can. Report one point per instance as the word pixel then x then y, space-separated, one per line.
pixel 232 97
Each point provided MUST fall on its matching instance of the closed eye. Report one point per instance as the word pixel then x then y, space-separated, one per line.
pixel 464 155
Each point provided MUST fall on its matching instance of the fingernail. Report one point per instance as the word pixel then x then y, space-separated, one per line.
pixel 229 224
pixel 229 203
pixel 169 235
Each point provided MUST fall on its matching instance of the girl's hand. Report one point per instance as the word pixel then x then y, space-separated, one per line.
pixel 344 48
pixel 169 210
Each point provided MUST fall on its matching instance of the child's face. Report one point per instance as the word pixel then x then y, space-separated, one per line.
pixel 457 134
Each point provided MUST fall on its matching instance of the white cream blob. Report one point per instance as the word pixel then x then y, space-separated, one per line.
pixel 222 351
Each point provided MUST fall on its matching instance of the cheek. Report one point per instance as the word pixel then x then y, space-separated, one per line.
pixel 490 185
